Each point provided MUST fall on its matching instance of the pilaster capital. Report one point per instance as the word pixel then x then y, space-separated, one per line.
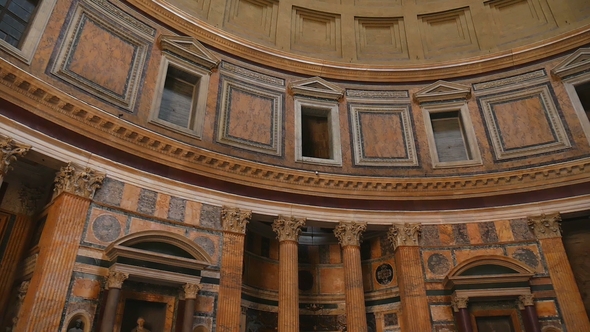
pixel 288 228
pixel 116 279
pixel 525 301
pixel 546 225
pixel 78 181
pixel 404 235
pixel 191 290
pixel 22 290
pixel 350 233
pixel 459 302
pixel 9 151
pixel 234 219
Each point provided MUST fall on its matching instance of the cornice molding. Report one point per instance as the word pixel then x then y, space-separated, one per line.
pixel 190 49
pixel 577 62
pixel 316 87
pixel 46 101
pixel 242 47
pixel 443 91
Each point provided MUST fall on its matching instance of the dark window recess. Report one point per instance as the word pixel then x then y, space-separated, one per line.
pixel 583 91
pixel 449 136
pixel 315 135
pixel 176 106
pixel 15 16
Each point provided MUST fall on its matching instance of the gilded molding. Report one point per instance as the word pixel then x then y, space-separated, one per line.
pixel 288 228
pixel 191 290
pixel 9 151
pixel 546 226
pixel 78 181
pixel 350 233
pixel 235 220
pixel 116 279
pixel 458 302
pixel 404 235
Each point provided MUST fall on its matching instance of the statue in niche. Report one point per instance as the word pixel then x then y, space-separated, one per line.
pixel 78 327
pixel 139 327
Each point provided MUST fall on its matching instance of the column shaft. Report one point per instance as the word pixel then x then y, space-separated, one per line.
pixel 110 310
pixel 230 283
pixel 463 320
pixel 189 315
pixel 531 319
pixel 58 247
pixel 288 287
pixel 569 298
pixel 356 319
pixel 412 290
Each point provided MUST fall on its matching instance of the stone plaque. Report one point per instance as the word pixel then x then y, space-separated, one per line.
pixel 384 274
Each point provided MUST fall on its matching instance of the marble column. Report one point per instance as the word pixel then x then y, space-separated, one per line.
pixel 9 151
pixel 548 232
pixel 412 289
pixel 349 235
pixel 58 247
pixel 288 229
pixel 232 259
pixel 114 284
pixel 190 297
pixel 462 317
pixel 526 304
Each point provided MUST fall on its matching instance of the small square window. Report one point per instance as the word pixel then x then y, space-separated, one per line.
pixel 450 135
pixel 317 132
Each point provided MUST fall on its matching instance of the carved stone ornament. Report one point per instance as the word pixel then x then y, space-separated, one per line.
pixel 78 181
pixel 404 235
pixel 350 233
pixel 546 225
pixel 525 301
pixel 235 220
pixel 459 303
pixel 9 151
pixel 288 228
pixel 191 290
pixel 29 198
pixel 116 279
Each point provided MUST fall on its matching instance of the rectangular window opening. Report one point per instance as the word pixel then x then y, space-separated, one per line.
pixel 15 16
pixel 449 136
pixel 583 91
pixel 315 133
pixel 178 97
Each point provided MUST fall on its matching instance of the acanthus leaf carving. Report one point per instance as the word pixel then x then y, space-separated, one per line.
pixel 9 151
pixel 235 220
pixel 404 235
pixel 191 290
pixel 546 225
pixel 78 181
pixel 116 279
pixel 350 233
pixel 288 228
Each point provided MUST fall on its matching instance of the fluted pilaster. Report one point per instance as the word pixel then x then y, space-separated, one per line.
pixel 547 230
pixel 349 235
pixel 58 247
pixel 288 229
pixel 412 290
pixel 232 257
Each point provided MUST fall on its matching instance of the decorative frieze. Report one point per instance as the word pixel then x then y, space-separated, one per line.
pixel 9 151
pixel 546 225
pixel 78 181
pixel 191 290
pixel 404 235
pixel 234 219
pixel 116 279
pixel 459 302
pixel 288 228
pixel 350 233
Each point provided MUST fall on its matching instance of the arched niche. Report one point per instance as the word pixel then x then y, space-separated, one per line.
pixel 72 318
pixel 158 257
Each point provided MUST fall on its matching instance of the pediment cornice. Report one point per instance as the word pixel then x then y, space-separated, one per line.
pixel 577 62
pixel 316 87
pixel 443 91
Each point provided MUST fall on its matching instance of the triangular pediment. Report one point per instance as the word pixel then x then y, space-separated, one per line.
pixel 442 90
pixel 317 87
pixel 189 49
pixel 577 62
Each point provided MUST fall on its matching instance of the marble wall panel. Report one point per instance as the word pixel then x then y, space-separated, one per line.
pixel 104 226
pixel 437 263
pixel 463 254
pixel 111 192
pixel 209 242
pixel 528 254
pixel 261 273
pixel 331 281
pixel 381 38
pixel 210 216
pixel 441 313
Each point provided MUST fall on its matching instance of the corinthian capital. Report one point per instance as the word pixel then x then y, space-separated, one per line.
pixel 288 228
pixel 78 181
pixel 234 219
pixel 459 303
pixel 350 233
pixel 525 301
pixel 404 235
pixel 191 290
pixel 9 151
pixel 116 279
pixel 546 225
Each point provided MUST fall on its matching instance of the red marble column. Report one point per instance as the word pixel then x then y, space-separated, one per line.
pixel 349 234
pixel 415 313
pixel 44 303
pixel 547 230
pixel 462 317
pixel 190 297
pixel 232 260
pixel 526 304
pixel 114 284
pixel 288 229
